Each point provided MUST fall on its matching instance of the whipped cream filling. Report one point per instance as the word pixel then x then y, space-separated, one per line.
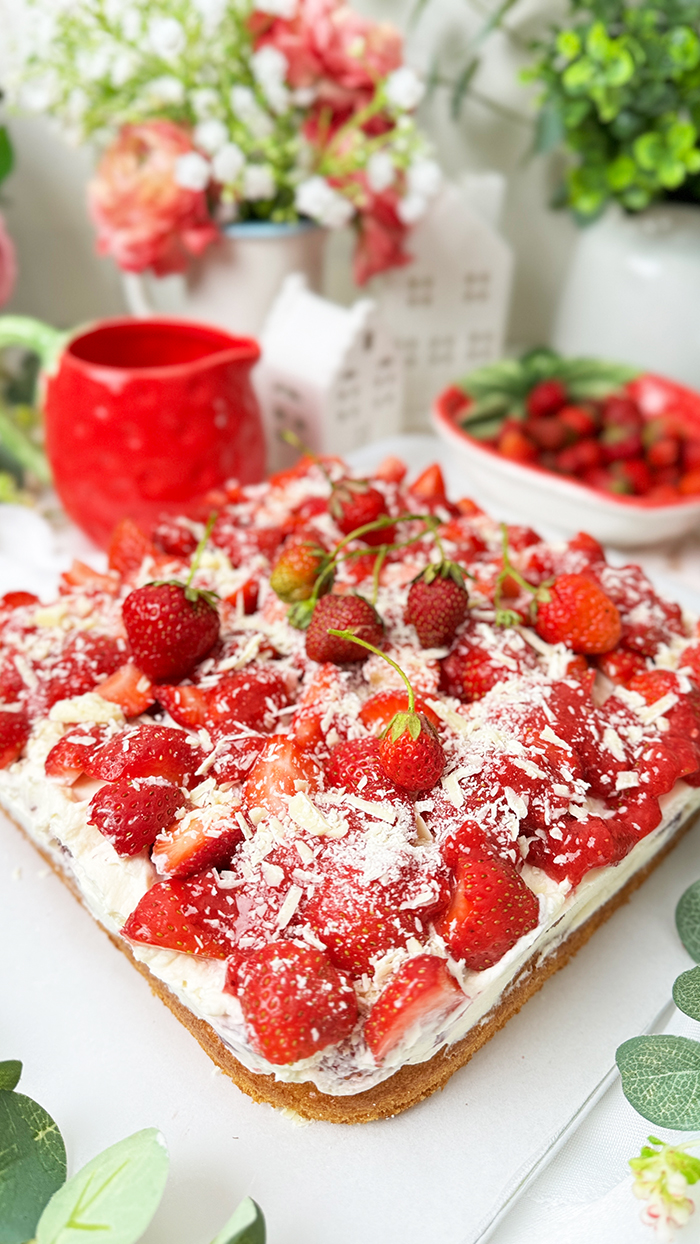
pixel 55 818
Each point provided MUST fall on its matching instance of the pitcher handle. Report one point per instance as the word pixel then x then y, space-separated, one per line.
pixel 42 339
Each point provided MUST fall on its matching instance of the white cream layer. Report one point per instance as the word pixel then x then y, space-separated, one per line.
pixel 111 887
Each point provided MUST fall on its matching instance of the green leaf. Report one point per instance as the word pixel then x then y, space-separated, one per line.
pixel 116 1194
pixel 549 131
pixel 32 1163
pixel 661 1079
pixel 7 158
pixel 10 1073
pixel 686 993
pixel 461 87
pixel 245 1226
pixel 688 920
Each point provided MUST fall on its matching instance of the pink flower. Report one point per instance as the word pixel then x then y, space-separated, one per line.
pixel 8 264
pixel 381 238
pixel 329 46
pixel 144 218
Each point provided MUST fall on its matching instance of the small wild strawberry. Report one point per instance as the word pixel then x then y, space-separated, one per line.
pixel 355 503
pixel 410 751
pixel 437 604
pixel 344 613
pixel 575 611
pixel 296 570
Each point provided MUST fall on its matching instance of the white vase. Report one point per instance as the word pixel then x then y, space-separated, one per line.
pixel 632 293
pixel 234 283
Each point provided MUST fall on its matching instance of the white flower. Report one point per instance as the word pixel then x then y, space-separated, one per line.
pixel 165 90
pixel 317 199
pixel 380 171
pixel 95 64
pixel 131 25
pixel 211 13
pixel 411 208
pixel 227 163
pixel 210 135
pixel 404 89
pixel 270 70
pixel 304 96
pixel 205 102
pixel 192 171
pixel 248 110
pixel 166 37
pixel 424 177
pixel 278 8
pixel 258 181
pixel 123 68
pixel 38 94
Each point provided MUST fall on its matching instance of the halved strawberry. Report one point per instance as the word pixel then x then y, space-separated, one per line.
pixel 17 600
pixel 68 758
pixel 12 685
pixel 187 705
pixel 86 659
pixel 652 685
pixel 132 814
pixel 129 688
pixel 294 1000
pixel 146 751
pixel 583 845
pixel 421 990
pixel 430 486
pixel 490 909
pixel 195 916
pixel 235 756
pixel 196 843
pixel 312 706
pixel 279 770
pixel 14 732
pixel 250 697
pixel 83 578
pixel 174 537
pixel 128 548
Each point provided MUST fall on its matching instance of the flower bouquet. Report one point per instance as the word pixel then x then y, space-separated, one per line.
pixel 214 111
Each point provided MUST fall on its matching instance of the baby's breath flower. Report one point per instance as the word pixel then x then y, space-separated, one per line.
pixel 381 171
pixel 211 135
pixel 166 37
pixel 278 8
pixel 228 163
pixel 192 171
pixel 258 182
pixel 424 177
pixel 404 89
pixel 165 90
pixel 411 208
pixel 317 199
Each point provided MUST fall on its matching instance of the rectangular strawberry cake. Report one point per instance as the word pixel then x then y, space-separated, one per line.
pixel 348 770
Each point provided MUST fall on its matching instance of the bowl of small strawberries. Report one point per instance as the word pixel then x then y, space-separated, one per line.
pixel 579 444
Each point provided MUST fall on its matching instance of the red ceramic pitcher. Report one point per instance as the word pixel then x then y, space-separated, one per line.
pixel 143 417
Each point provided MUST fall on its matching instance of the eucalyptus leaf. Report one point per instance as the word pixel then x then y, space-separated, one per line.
pixel 10 1073
pixel 7 158
pixel 115 1195
pixel 688 920
pixel 245 1226
pixel 686 993
pixel 661 1079
pixel 32 1163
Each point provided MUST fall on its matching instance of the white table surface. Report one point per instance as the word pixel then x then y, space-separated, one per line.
pixel 106 1058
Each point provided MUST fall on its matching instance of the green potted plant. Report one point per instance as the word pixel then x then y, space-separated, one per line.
pixel 621 97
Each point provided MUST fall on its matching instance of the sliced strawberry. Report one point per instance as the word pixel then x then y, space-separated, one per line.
pixel 129 688
pixel 85 661
pixel 12 684
pixel 430 486
pixel 83 578
pixel 490 910
pixel 14 732
pixel 355 766
pixel 196 843
pixel 128 549
pixel 377 712
pixel 665 761
pixel 312 706
pixel 392 470
pixel 294 1000
pixel 251 697
pixel 195 916
pixel 652 685
pixel 583 845
pixel 68 758
pixel 359 920
pixel 174 537
pixel 280 770
pixel 236 755
pixel 17 600
pixel 620 665
pixel 146 751
pixel 186 705
pixel 421 990
pixel 132 814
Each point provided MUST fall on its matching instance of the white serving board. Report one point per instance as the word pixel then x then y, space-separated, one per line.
pixel 106 1058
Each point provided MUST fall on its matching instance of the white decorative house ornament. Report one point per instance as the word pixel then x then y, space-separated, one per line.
pixel 447 311
pixel 328 373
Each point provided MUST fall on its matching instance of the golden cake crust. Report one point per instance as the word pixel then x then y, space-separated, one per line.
pixel 412 1083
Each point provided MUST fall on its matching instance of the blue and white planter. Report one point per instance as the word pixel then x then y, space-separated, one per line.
pixel 234 283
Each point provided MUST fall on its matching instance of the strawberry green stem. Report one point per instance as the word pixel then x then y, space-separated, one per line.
pixel 378 652
pixel 378 524
pixel 292 439
pixel 200 548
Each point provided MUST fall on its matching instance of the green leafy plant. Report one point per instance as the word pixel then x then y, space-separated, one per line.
pixel 621 93
pixel 115 1195
pixel 499 390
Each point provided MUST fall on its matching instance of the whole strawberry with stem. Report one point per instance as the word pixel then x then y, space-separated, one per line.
pixel 437 604
pixel 297 569
pixel 410 751
pixel 171 625
pixel 354 503
pixel 570 609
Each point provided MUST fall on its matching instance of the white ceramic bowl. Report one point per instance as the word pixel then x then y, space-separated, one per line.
pixel 540 496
